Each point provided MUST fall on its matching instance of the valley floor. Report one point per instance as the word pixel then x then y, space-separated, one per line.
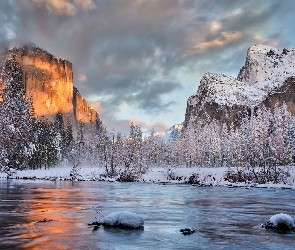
pixel 205 176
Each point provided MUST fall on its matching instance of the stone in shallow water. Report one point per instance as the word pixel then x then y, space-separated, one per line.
pixel 280 222
pixel 187 231
pixel 123 219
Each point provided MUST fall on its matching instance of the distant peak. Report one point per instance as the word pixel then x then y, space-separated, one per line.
pixel 262 49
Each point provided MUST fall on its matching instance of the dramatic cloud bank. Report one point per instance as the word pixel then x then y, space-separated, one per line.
pixel 143 59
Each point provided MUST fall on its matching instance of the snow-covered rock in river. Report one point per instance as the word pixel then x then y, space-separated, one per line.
pixel 280 222
pixel 228 99
pixel 124 219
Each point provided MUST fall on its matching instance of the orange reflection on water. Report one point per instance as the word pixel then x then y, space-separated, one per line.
pixel 51 214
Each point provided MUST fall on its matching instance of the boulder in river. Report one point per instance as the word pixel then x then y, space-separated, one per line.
pixel 280 222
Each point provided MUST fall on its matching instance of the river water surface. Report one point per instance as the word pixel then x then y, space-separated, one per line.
pixel 224 218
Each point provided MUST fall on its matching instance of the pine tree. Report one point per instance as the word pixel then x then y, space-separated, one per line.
pixel 104 145
pixel 135 148
pixel 189 143
pixel 60 134
pixel 259 137
pixel 281 144
pixel 120 150
pixel 16 126
pixel 46 153
pixel 153 146
pixel 69 134
pixel 81 144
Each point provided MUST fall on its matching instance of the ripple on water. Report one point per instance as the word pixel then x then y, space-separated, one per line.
pixel 224 218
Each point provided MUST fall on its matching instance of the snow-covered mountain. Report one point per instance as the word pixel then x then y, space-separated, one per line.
pixel 171 133
pixel 228 99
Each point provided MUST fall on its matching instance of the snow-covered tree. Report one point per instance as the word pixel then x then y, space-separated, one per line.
pixel 16 127
pixel 280 138
pixel 153 149
pixel 60 134
pixel 80 142
pixel 135 142
pixel 69 138
pixel 46 153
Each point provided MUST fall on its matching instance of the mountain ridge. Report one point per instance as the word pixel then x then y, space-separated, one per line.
pixel 229 99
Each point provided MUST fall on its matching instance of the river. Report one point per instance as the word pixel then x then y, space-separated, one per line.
pixel 224 218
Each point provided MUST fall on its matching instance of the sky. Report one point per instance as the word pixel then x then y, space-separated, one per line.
pixel 140 60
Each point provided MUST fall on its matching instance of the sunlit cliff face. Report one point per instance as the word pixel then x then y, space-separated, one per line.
pixel 48 81
pixel 84 112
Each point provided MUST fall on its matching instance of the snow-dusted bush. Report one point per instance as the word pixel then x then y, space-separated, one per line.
pixel 128 176
pixel 75 171
pixel 123 219
pixel 260 175
pixel 194 179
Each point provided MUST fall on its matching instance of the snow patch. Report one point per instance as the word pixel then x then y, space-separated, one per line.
pixel 209 176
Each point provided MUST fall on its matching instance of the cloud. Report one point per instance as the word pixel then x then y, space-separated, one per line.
pixel 215 26
pixel 132 51
pixel 225 38
pixel 148 96
pixel 112 122
pixel 82 78
pixel 9 31
pixel 123 125
pixel 66 7
pixel 266 41
pixel 157 126
pixel 98 107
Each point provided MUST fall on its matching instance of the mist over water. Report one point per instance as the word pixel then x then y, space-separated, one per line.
pixel 224 218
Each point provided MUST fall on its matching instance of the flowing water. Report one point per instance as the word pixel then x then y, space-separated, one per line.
pixel 224 218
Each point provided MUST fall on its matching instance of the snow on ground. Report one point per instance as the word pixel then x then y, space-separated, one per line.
pixel 205 176
pixel 123 219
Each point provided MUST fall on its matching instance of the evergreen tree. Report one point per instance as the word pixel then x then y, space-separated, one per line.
pixel 16 126
pixel 81 144
pixel 120 150
pixel 69 138
pixel 153 147
pixel 60 134
pixel 104 148
pixel 46 153
pixel 137 162
pixel 280 138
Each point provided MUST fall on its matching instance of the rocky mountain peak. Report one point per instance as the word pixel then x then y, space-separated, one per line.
pixel 265 69
pixel 227 98
pixel 265 64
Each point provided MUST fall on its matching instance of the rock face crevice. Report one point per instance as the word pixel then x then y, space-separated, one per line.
pixel 48 82
pixel 267 79
pixel 83 112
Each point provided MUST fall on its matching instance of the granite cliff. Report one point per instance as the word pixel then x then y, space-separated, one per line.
pixel 48 81
pixel 267 79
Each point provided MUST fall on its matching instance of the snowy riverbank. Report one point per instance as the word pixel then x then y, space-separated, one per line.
pixel 205 176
